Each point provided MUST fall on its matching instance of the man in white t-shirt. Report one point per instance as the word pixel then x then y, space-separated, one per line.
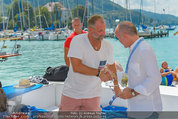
pixel 89 53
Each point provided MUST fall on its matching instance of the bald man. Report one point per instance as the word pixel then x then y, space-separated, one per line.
pixel 144 78
pixel 77 27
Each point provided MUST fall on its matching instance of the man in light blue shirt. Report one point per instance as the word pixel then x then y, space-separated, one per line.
pixel 144 78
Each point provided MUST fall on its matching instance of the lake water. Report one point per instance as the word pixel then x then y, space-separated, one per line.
pixel 38 55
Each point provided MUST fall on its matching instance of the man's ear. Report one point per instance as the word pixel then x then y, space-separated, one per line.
pixel 124 34
pixel 90 29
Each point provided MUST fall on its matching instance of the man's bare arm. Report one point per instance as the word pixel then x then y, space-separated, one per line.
pixel 113 69
pixel 83 69
pixel 66 50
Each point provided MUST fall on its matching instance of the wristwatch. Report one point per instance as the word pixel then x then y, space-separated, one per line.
pixel 133 92
pixel 98 74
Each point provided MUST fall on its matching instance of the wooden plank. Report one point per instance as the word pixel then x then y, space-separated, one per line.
pixel 9 55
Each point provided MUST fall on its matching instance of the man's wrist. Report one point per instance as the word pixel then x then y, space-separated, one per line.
pixel 98 73
pixel 116 85
pixel 114 76
pixel 115 82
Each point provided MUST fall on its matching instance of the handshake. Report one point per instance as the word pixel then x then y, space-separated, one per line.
pixel 107 75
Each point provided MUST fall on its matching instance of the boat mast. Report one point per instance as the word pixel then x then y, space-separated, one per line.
pixel 130 12
pixel 19 2
pixel 7 22
pixel 46 21
pixel 3 14
pixel 57 14
pixel 84 14
pixel 88 11
pixel 39 14
pixel 77 9
pixel 102 7
pixel 50 4
pixel 35 14
pixel 12 15
pixel 141 16
pixel 92 8
pixel 23 16
pixel 28 14
pixel 142 10
pixel 69 9
pixel 126 10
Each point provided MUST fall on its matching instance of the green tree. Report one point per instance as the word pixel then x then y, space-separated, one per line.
pixel 13 11
pixel 45 16
pixel 78 11
pixel 56 15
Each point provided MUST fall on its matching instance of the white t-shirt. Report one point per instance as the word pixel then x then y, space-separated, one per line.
pixel 81 86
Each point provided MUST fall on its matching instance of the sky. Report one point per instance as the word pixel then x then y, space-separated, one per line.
pixel 170 6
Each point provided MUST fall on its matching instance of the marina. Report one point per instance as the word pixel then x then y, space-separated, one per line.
pixel 145 34
pixel 32 40
pixel 154 34
pixel 38 55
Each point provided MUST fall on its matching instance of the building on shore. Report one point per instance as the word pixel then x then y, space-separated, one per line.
pixel 64 11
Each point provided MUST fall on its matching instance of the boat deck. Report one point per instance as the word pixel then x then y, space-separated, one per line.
pixel 49 96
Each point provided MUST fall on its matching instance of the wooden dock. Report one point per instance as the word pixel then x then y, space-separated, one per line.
pixel 155 34
pixel 145 35
pixel 11 38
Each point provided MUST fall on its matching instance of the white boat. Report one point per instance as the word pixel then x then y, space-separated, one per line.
pixel 48 97
pixel 171 28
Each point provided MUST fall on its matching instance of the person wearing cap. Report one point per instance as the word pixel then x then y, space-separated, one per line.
pixel 77 27
pixel 144 78
pixel 89 54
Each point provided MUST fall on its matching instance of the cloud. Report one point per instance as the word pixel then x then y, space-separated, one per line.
pixel 170 6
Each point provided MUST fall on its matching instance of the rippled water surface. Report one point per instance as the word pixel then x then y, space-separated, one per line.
pixel 38 55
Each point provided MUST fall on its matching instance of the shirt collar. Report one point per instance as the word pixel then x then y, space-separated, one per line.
pixel 78 34
pixel 132 46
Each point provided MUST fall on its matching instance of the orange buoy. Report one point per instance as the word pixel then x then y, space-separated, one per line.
pixel 176 33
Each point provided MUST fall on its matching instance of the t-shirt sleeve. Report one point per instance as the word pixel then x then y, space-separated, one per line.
pixel 75 49
pixel 111 54
pixel 67 42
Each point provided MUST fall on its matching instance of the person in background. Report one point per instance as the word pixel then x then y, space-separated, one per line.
pixel 144 78
pixel 89 54
pixel 168 74
pixel 3 100
pixel 77 27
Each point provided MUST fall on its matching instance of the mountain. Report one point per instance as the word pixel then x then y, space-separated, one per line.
pixel 112 11
pixel 162 18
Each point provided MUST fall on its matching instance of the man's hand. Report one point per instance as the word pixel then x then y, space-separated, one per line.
pixel 117 91
pixel 105 75
pixel 126 94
